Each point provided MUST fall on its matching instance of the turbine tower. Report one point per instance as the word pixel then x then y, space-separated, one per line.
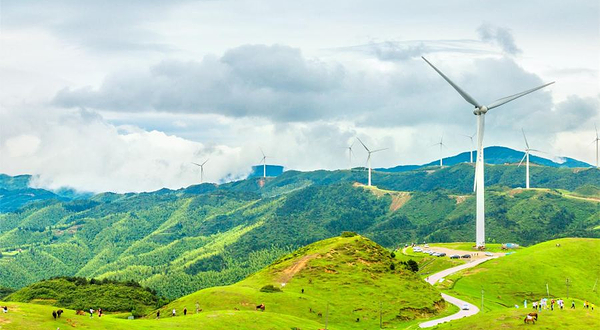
pixel 201 170
pixel 480 111
pixel 369 158
pixel 526 158
pixel 441 144
pixel 597 139
pixel 472 146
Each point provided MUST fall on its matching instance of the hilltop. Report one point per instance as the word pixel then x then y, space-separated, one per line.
pixel 351 277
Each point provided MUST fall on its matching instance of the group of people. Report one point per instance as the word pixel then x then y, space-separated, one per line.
pixel 92 312
pixel 546 303
pixel 174 311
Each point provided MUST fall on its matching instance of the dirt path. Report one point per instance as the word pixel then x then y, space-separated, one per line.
pixel 288 273
pixel 432 279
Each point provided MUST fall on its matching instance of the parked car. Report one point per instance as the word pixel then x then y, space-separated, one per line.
pixel 489 254
pixel 465 307
pixel 455 256
pixel 466 256
pixel 441 254
pixel 426 245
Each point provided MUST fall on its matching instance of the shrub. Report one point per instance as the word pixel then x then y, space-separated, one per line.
pixel 349 234
pixel 270 288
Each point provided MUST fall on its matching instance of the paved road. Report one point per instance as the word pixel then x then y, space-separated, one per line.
pixel 432 279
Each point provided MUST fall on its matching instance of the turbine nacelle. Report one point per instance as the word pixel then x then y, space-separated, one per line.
pixel 480 110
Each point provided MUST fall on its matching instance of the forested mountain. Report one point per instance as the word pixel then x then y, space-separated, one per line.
pixel 179 241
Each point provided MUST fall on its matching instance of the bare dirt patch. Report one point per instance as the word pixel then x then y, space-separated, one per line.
pixel 460 198
pixel 288 273
pixel 398 200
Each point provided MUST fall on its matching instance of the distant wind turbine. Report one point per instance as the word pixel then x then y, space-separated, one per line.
pixel 526 157
pixel 597 139
pixel 369 157
pixel 264 161
pixel 480 111
pixel 350 155
pixel 472 144
pixel 441 144
pixel 201 170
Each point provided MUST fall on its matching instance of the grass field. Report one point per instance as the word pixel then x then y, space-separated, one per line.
pixel 509 280
pixel 469 246
pixel 24 316
pixel 511 318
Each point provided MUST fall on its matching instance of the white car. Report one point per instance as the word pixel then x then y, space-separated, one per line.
pixel 489 254
pixel 465 307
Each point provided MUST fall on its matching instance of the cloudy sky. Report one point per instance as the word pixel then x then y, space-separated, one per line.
pixel 123 96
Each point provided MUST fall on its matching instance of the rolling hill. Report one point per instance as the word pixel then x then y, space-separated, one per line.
pixel 350 278
pixel 510 280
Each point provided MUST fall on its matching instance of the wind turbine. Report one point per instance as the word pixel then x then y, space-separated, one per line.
pixel 480 111
pixel 441 144
pixel 597 139
pixel 201 170
pixel 526 157
pixel 369 158
pixel 264 161
pixel 472 146
pixel 350 155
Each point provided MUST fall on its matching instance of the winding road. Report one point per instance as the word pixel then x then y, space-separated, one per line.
pixel 432 279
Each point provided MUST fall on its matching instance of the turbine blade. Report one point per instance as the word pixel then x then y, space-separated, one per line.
pixel 206 161
pixel 374 151
pixel 527 144
pixel 509 98
pixel 462 93
pixel 262 152
pixel 196 164
pixel 522 159
pixel 359 140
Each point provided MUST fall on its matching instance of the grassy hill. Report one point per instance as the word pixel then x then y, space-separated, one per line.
pixel 509 280
pixel 348 277
pixel 79 293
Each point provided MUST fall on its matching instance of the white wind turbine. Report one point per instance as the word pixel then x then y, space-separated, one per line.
pixel 472 144
pixel 201 170
pixel 480 111
pixel 264 161
pixel 597 139
pixel 369 157
pixel 526 158
pixel 441 144
pixel 350 155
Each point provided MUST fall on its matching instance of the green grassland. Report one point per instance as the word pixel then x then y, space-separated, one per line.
pixel 508 319
pixel 344 278
pixel 509 280
pixel 349 277
pixel 24 316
